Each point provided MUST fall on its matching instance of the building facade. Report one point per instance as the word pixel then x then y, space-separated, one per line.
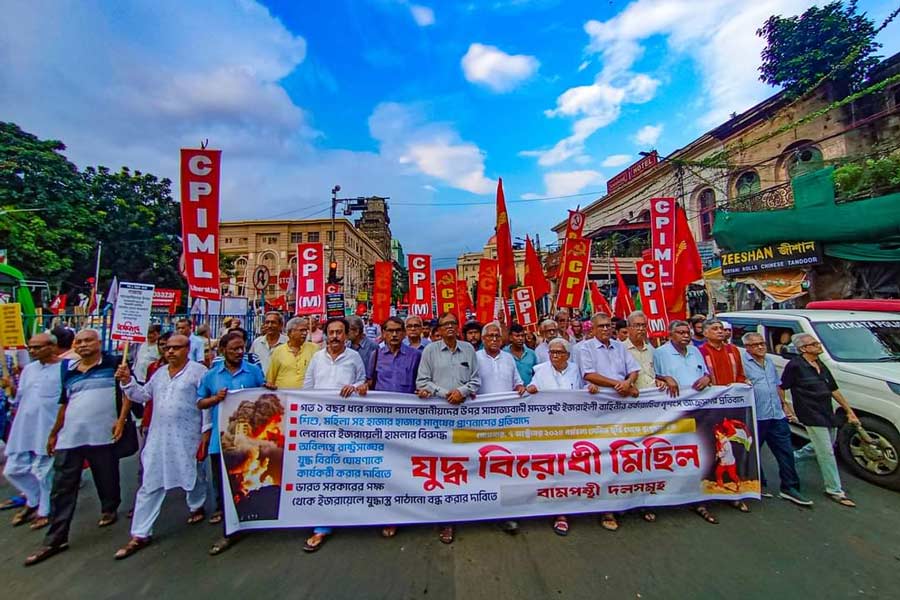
pixel 467 264
pixel 376 223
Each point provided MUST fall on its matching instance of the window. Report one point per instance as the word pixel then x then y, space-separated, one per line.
pixel 747 184
pixel 227 240
pixel 706 205
pixel 312 236
pixel 330 236
pixel 804 160
pixel 297 237
pixel 267 239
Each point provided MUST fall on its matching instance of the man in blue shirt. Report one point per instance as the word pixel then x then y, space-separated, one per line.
pixel 393 368
pixel 678 363
pixel 772 416
pixel 198 344
pixel 524 356
pixel 232 373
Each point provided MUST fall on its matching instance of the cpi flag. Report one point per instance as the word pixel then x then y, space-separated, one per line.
pixel 200 221
pixel 310 279
pixel 573 272
pixel 381 291
pixel 445 280
pixel 420 285
pixel 653 300
pixel 662 237
pixel 526 311
pixel 575 225
pixel 487 290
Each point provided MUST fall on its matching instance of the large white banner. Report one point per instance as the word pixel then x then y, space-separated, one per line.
pixel 297 459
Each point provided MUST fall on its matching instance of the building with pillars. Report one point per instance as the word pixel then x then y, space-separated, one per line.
pixel 467 264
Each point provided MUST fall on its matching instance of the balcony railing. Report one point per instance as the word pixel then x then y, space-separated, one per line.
pixel 774 198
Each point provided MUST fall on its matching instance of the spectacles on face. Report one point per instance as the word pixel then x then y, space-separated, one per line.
pixel 810 344
pixel 492 336
pixel 449 324
pixel 393 330
pixel 639 325
pixel 754 344
pixel 174 347
pixel 36 347
pixel 557 352
pixel 603 326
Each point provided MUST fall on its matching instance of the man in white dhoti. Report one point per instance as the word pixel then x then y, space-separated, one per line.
pixel 28 466
pixel 169 457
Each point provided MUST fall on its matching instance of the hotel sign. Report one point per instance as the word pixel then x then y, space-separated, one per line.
pixel 631 172
pixel 786 255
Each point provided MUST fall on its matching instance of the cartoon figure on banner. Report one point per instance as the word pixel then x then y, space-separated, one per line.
pixel 253 451
pixel 727 432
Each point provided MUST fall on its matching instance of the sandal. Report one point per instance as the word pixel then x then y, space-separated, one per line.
pixel 706 515
pixel 561 526
pixel 648 516
pixel 842 499
pixel 196 516
pixel 740 505
pixel 608 522
pixel 107 519
pixel 315 541
pixel 446 534
pixel 44 553
pixel 23 516
pixel 134 544
pixel 216 518
pixel 222 545
pixel 39 523
pixel 388 532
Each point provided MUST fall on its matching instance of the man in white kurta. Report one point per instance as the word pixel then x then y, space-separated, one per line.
pixel 169 457
pixel 497 368
pixel 28 466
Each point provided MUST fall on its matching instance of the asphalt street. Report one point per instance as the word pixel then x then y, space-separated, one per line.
pixel 779 551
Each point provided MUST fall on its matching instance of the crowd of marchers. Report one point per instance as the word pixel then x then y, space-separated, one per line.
pixel 76 409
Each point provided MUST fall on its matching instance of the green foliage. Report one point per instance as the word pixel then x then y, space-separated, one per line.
pixel 870 178
pixel 801 50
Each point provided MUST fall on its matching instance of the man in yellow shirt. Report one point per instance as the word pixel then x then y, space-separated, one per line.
pixel 288 363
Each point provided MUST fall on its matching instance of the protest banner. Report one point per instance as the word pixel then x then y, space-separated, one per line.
pixel 334 306
pixel 310 279
pixel 420 285
pixel 381 291
pixel 310 458
pixel 575 225
pixel 653 299
pixel 167 298
pixel 662 237
pixel 487 290
pixel 131 314
pixel 573 272
pixel 445 280
pixel 12 332
pixel 463 299
pixel 200 221
pixel 526 309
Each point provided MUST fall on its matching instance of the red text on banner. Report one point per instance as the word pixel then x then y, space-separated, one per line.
pixel 200 221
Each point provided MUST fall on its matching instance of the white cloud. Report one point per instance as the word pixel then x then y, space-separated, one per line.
pixel 566 183
pixel 648 135
pixel 491 67
pixel 422 15
pixel 616 160
pixel 434 149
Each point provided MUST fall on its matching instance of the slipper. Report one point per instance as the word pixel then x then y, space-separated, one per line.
pixel 609 522
pixel 221 545
pixel 842 499
pixel 14 502
pixel 216 518
pixel 561 526
pixel 23 516
pixel 706 515
pixel 39 523
pixel 134 545
pixel 107 519
pixel 388 532
pixel 315 541
pixel 446 534
pixel 648 516
pixel 44 553
pixel 739 505
pixel 196 516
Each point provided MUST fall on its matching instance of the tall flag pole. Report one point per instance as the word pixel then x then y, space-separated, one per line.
pixel 504 245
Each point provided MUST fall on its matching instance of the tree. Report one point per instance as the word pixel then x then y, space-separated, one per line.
pixel 800 51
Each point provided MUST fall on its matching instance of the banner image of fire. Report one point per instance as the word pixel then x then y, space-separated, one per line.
pixel 311 458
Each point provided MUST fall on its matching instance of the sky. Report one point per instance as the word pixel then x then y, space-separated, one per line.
pixel 426 102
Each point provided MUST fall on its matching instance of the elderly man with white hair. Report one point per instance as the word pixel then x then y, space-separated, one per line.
pixel 288 363
pixel 497 368
pixel 548 330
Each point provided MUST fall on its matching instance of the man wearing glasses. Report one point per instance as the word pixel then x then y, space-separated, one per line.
pixel 449 369
pixel 772 416
pixel 812 389
pixel 264 345
pixel 169 457
pixel 414 328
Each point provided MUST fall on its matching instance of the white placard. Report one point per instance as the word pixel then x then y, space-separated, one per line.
pixel 131 316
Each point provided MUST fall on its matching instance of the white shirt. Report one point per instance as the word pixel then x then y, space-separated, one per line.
pixel 613 360
pixel 147 354
pixel 169 456
pixel 38 402
pixel 325 373
pixel 542 351
pixel 546 377
pixel 263 350
pixel 498 373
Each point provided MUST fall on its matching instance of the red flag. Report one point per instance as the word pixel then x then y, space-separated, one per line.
pixel 463 298
pixel 446 291
pixel 58 306
pixel 573 272
pixel 624 305
pixel 599 300
pixel 381 291
pixel 534 272
pixel 504 244
pixel 575 224
pixel 487 290
pixel 688 267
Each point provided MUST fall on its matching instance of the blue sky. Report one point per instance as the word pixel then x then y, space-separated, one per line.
pixel 423 101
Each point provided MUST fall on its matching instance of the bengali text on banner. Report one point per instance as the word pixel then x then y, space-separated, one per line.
pixel 308 458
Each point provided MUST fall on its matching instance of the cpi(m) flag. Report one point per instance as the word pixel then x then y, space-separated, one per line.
pixel 445 280
pixel 653 302
pixel 200 221
pixel 381 291
pixel 688 267
pixel 573 272
pixel 420 285
pixel 624 306
pixel 662 237
pixel 534 272
pixel 598 300
pixel 487 290
pixel 504 244
pixel 310 279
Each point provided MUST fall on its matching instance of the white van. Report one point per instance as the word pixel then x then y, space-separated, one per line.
pixel 862 351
